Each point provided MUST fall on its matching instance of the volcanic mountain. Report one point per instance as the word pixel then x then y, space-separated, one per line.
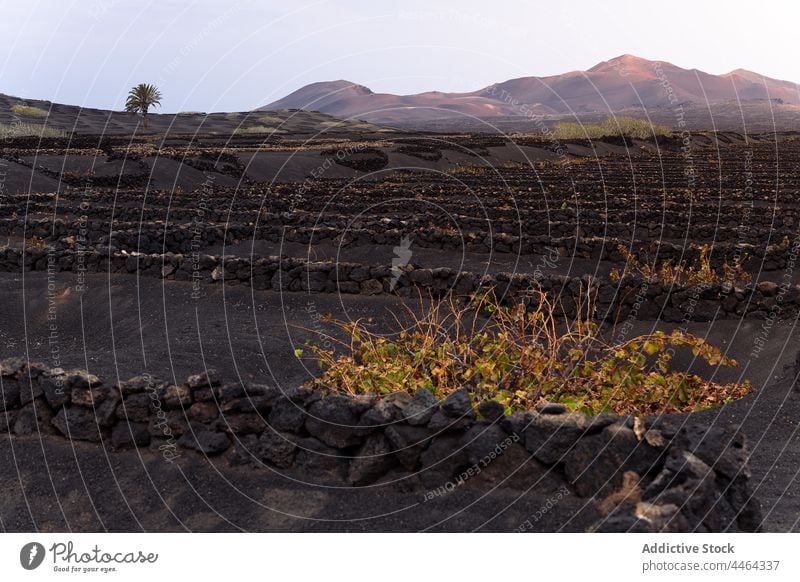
pixel 623 83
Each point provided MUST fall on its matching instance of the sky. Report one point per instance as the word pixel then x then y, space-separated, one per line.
pixel 236 55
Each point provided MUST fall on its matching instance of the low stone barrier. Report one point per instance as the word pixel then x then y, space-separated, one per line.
pixel 328 207
pixel 651 474
pixel 557 238
pixel 626 299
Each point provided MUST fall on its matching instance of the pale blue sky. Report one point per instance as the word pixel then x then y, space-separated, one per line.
pixel 238 55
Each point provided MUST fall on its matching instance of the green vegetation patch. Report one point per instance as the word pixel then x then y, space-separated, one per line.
pixel 28 111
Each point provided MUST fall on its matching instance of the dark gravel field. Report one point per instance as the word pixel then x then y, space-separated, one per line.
pixel 395 214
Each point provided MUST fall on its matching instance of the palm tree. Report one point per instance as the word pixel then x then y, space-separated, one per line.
pixel 141 98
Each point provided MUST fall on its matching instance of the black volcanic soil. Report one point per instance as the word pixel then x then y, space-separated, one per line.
pixel 632 193
pixel 122 327
pixel 79 489
pixel 115 327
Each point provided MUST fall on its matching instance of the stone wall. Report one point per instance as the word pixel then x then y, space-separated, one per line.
pixel 668 219
pixel 599 242
pixel 641 474
pixel 614 301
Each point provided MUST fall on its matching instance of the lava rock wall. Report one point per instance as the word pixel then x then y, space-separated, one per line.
pixel 640 474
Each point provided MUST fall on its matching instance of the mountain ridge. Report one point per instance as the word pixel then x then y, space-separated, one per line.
pixel 620 83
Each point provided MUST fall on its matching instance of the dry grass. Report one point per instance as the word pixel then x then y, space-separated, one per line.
pixel 257 130
pixel 611 127
pixel 271 119
pixel 28 111
pixel 19 129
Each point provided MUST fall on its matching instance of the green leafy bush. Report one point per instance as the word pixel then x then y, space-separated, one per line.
pixel 520 357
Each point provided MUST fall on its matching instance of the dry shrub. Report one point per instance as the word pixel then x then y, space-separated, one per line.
pixel 684 274
pixel 35 242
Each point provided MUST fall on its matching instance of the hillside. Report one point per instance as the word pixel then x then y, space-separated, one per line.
pixel 87 121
